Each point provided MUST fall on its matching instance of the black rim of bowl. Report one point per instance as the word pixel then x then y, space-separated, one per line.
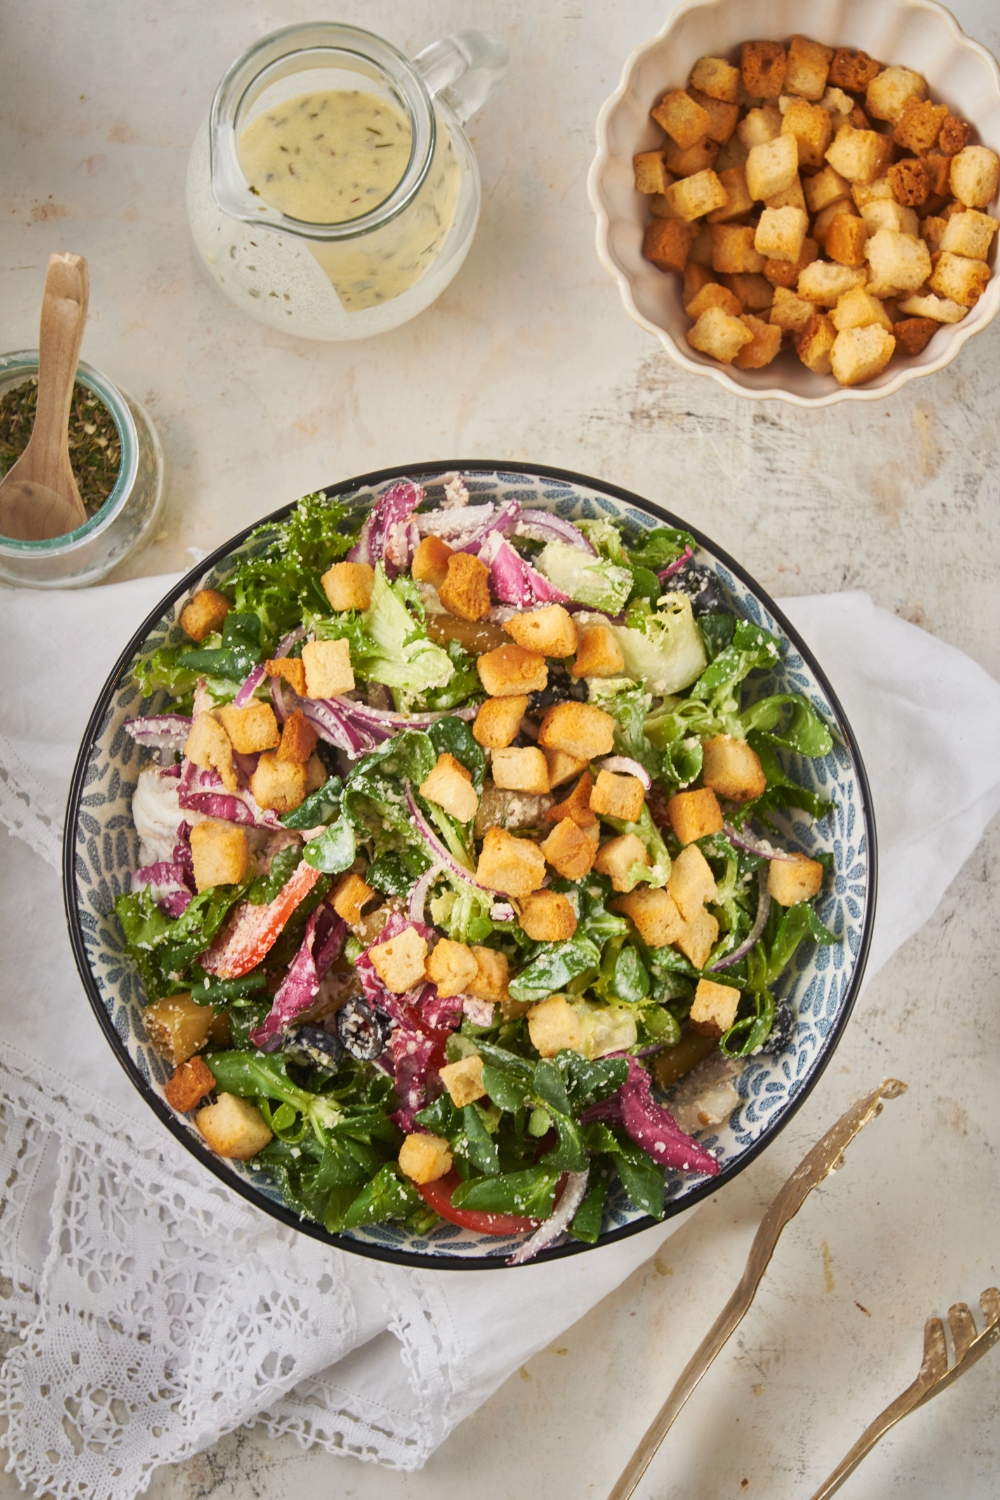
pixel 214 1164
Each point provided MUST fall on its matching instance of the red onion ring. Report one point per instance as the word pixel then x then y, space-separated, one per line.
pixel 562 1216
pixel 625 766
pixel 418 896
pixel 676 566
pixel 505 518
pixel 256 677
pixel 540 526
pixel 442 854
pixel 752 845
pixel 763 908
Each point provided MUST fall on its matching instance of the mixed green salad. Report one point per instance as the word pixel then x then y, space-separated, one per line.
pixel 456 853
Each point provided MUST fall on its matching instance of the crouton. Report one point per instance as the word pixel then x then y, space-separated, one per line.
pixel 579 729
pixel 563 766
pixel 598 653
pixel 349 896
pixel 846 240
pixel 790 881
pixel 812 129
pixel 278 784
pixel 711 295
pixel 551 630
pixel 466 588
pixel 233 1127
pixel 823 221
pixel 723 116
pixel 252 728
pixel 576 805
pixel 316 773
pixel 974 174
pixel 789 313
pixel 969 233
pixel 859 309
pixel 900 260
pixel 693 197
pixel 807 68
pixel 661 208
pixel 177 1027
pixel 548 917
pixel 569 851
pixel 292 669
pixel 959 278
pixel 682 118
pixel 698 937
pixel 210 747
pixel 655 913
pixel 666 243
pixel 733 248
pixel 912 335
pixel 732 769
pixel 553 1027
pixel 220 853
pixel 490 979
pixel 790 197
pixel 718 334
pixel 425 1158
pixel 919 125
pixel 691 881
pixel 781 232
pixel 910 181
pixel 204 613
pixel 189 1084
pixel 939 309
pixel 430 561
pixel 464 1080
pixel 762 65
pixel 348 585
pixel 825 188
pixel 617 796
pixel 860 353
pixel 450 786
pixel 511 671
pixel 694 814
pixel 772 166
pixel 765 346
pixel 859 155
pixel 617 857
pixel 298 738
pixel 738 200
pixel 714 1007
pixel 954 135
pixel 514 866
pixel 755 293
pixel 521 770
pixel 696 158
pixel 886 96
pixel 328 668
pixel 400 962
pixel 836 102
pixel 869 192
pixel 852 70
pixel 885 213
pixel 651 176
pixel 696 278
pixel 815 342
pixel 825 282
pixel 716 78
pixel 759 126
pixel 499 720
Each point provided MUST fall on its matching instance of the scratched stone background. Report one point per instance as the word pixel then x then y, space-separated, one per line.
pixel 530 356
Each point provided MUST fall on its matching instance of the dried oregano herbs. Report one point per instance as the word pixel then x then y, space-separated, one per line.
pixel 95 449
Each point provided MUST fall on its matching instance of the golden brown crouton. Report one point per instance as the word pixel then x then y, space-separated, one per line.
pixel 548 917
pixel 666 243
pixel 859 309
pixel 717 78
pixel 430 561
pixel 790 197
pixel 807 68
pixel 699 937
pixel 400 962
pixel 781 232
pixel 899 260
pixel 209 746
pixel 765 346
pixel 651 176
pixel 578 728
pixel 204 613
pixel 298 738
pixel 826 283
pixel 860 353
pixel 617 796
pixel 886 213
pixel 696 278
pixel 911 183
pixel 521 770
pixel 348 897
pixel 694 159
pixel 617 857
pixel 655 913
pixel 694 814
pixel 425 1158
pixel 450 786
pixel 811 127
pixel 889 90
pixel 177 1027
pixel 815 342
pixel 292 669
pixel 738 200
pixel 718 334
pixel 859 155
pixel 599 654
pixel 968 233
pixel 492 969
pixel 328 668
pixel 189 1084
pixel 233 1127
pixel 825 188
pixel 452 967
pixel 683 120
pixel 278 784
pixel 316 773
pixel 510 671
pixel 762 65
pixel 792 880
pixel 252 728
pixel 919 125
pixel 847 240
pixel 465 591
pixel 692 197
pixel 961 279
pixel 711 295
pixel 759 126
pixel 852 70
pixel 464 1080
pixel 954 135
pixel 940 309
pixel 732 769
pixel 563 766
pixel 733 249
pixel 723 116
pixel 553 1026
pixel 772 167
pixel 714 1008
pixel 499 720
pixel 569 851
pixel 348 585
pixel 789 312
pixel 220 853
pixel 511 865
pixel 576 805
pixel 551 630
pixel 691 881
pixel 912 335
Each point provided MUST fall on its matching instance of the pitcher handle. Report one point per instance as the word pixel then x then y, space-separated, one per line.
pixel 463 69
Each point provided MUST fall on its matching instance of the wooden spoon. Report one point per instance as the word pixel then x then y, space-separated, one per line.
pixel 39 496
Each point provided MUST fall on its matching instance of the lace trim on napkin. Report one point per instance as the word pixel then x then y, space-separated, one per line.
pixel 27 809
pixel 168 1312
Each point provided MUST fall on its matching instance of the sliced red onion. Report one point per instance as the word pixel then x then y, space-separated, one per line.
pixel 754 844
pixel 160 731
pixel 541 526
pixel 379 540
pixel 675 566
pixel 763 908
pixel 381 718
pixel 249 687
pixel 502 911
pixel 334 726
pixel 512 580
pixel 504 520
pixel 278 699
pixel 465 520
pixel 442 854
pixel 420 892
pixel 562 1216
pixel 623 765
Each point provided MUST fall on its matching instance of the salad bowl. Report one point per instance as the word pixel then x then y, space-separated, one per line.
pixel 816 992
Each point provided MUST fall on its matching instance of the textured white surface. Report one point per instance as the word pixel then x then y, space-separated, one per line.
pixel 529 355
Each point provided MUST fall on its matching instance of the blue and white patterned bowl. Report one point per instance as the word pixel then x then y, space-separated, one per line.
pixel 101 850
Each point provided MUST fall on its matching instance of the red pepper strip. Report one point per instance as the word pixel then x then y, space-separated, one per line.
pixel 437 1195
pixel 250 932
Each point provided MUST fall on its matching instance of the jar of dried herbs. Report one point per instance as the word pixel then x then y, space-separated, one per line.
pixel 95 449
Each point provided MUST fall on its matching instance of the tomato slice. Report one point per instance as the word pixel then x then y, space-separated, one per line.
pixel 437 1195
pixel 250 932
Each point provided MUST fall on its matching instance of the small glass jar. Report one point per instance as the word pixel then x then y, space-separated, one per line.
pixel 125 519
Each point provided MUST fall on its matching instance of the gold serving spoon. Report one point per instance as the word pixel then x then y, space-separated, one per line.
pixel 824 1158
pixel 39 496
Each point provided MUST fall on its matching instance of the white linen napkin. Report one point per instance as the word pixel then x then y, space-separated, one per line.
pixel 157 1309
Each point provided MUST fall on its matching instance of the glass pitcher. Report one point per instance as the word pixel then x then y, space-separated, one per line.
pixel 365 274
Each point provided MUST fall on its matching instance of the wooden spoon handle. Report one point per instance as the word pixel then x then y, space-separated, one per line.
pixel 64 313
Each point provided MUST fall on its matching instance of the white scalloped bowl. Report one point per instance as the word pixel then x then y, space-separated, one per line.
pixel 913 33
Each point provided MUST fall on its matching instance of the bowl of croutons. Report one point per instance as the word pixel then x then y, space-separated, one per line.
pixel 805 217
